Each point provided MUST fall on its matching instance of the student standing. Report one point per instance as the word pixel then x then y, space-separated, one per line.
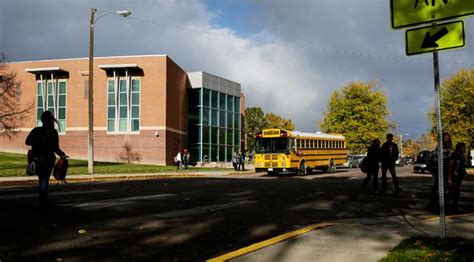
pixel 433 167
pixel 44 142
pixel 241 161
pixel 186 158
pixel 373 159
pixel 235 160
pixel 456 173
pixel 389 154
pixel 177 160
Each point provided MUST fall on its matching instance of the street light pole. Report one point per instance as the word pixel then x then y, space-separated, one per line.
pixel 90 148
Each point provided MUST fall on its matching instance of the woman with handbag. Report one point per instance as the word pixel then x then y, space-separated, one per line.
pixel 44 142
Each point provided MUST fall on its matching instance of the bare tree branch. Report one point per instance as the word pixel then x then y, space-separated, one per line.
pixel 12 116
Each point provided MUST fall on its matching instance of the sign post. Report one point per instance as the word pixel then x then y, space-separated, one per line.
pixel 442 217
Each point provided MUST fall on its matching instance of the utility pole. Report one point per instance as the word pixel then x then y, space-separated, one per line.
pixel 90 148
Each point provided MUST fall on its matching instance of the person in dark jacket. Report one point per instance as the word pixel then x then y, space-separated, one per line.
pixel 456 173
pixel 241 161
pixel 373 159
pixel 389 154
pixel 433 167
pixel 44 142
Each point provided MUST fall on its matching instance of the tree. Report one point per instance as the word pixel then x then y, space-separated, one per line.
pixel 276 121
pixel 457 107
pixel 254 121
pixel 413 147
pixel 359 112
pixel 12 114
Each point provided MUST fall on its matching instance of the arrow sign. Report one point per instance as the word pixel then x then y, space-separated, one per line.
pixel 430 41
pixel 406 13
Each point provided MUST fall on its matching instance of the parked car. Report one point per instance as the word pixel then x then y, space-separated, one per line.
pixel 399 162
pixel 408 160
pixel 353 161
pixel 419 165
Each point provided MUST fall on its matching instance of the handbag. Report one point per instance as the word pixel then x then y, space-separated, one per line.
pixel 60 169
pixel 31 164
pixel 364 165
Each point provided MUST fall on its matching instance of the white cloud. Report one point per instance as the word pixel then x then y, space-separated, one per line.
pixel 286 64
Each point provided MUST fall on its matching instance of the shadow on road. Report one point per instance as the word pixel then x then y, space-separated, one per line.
pixel 193 219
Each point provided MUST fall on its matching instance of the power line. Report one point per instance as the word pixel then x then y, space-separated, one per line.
pixel 299 45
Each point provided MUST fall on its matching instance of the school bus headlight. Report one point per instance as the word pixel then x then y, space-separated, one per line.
pixel 283 164
pixel 258 164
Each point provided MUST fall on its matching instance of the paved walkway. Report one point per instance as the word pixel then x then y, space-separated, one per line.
pixel 357 239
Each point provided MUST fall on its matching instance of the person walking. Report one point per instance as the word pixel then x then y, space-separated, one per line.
pixel 177 160
pixel 456 173
pixel 44 142
pixel 432 165
pixel 373 160
pixel 389 154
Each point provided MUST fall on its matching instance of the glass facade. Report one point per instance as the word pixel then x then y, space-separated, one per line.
pixel 213 125
pixel 51 96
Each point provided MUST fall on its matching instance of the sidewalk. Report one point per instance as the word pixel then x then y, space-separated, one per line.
pixel 358 239
pixel 30 180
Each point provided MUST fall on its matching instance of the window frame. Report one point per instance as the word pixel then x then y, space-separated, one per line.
pixel 129 92
pixel 55 83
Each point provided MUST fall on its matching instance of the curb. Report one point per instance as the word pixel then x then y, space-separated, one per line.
pixel 238 173
pixel 72 180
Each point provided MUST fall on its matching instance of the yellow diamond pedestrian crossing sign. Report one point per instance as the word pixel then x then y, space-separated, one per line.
pixel 406 13
pixel 435 38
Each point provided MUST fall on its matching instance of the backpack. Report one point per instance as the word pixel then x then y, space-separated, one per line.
pixel 60 169
pixel 364 165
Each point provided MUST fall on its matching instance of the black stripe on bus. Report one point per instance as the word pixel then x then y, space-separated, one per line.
pixel 297 161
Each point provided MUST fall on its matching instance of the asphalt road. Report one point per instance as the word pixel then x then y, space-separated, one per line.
pixel 190 219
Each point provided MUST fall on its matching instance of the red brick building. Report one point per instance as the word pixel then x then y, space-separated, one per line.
pixel 143 105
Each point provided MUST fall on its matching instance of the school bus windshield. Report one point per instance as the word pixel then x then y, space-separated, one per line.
pixel 271 145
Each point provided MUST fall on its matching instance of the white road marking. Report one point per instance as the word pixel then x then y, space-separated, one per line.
pixel 51 194
pixel 202 209
pixel 117 201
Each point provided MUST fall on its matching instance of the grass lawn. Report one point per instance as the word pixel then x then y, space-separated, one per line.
pixel 15 164
pixel 432 249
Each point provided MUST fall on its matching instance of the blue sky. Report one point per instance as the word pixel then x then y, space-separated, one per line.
pixel 237 15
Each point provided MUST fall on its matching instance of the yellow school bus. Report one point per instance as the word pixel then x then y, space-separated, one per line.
pixel 278 150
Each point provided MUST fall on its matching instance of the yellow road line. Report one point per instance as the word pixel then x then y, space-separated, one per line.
pixel 269 242
pixel 450 216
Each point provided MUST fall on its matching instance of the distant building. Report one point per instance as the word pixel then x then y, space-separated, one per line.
pixel 144 106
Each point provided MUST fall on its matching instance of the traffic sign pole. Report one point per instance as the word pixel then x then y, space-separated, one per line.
pixel 442 217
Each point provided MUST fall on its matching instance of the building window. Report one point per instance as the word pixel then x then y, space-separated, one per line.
pixel 51 96
pixel 123 104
